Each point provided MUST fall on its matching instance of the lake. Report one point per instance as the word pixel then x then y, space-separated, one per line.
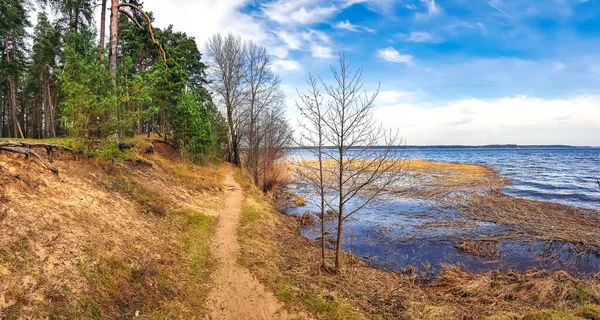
pixel 566 175
pixel 395 233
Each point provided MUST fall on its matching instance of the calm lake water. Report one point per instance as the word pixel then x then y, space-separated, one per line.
pixel 396 233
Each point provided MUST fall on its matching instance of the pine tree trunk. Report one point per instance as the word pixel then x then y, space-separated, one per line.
pixel 114 25
pixel 51 125
pixel 102 28
pixel 12 110
pixel 24 110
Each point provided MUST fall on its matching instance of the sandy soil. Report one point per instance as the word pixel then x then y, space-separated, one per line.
pixel 236 293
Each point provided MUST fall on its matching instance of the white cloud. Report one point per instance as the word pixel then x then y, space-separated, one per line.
pixel 319 51
pixel 214 15
pixel 432 8
pixel 290 39
pixel 411 7
pixel 392 55
pixel 346 25
pixel 421 37
pixel 286 65
pixel 392 97
pixel 520 120
pixel 315 35
pixel 297 12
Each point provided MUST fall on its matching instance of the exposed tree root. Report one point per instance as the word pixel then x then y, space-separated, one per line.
pixel 26 148
pixel 29 152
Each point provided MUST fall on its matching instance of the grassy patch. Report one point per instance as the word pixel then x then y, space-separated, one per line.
pixel 326 307
pixel 549 315
pixel 196 245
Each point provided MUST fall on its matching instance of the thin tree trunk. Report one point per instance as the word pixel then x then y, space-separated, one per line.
pixel 12 111
pixel 44 103
pixel 23 109
pixel 2 107
pixel 102 28
pixel 114 25
pixel 76 18
pixel 51 125
pixel 71 20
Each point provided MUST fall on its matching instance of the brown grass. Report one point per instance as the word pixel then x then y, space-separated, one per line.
pixel 540 220
pixel 480 248
pixel 106 238
pixel 288 264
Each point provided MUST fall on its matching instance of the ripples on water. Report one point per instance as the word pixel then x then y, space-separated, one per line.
pixel 397 233
pixel 558 174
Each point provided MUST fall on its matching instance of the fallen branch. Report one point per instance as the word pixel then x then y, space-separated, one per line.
pixel 29 152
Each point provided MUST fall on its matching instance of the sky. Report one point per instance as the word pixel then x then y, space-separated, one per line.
pixel 468 72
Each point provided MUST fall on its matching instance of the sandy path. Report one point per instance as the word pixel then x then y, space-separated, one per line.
pixel 236 293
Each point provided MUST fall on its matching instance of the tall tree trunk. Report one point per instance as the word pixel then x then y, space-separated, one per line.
pixel 102 28
pixel 24 110
pixel 76 19
pixel 71 20
pixel 12 110
pixel 2 111
pixel 44 102
pixel 34 117
pixel 12 95
pixel 114 25
pixel 51 116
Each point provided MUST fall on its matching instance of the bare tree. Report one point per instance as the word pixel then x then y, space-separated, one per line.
pixel 364 158
pixel 312 109
pixel 263 92
pixel 227 73
pixel 276 136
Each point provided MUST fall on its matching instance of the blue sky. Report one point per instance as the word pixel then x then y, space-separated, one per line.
pixel 451 72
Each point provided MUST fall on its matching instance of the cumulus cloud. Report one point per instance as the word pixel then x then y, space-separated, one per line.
pixel 520 120
pixel 392 55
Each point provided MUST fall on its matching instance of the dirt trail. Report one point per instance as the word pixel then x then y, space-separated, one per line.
pixel 236 293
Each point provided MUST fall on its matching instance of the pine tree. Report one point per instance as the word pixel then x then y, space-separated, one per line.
pixel 13 22
pixel 42 77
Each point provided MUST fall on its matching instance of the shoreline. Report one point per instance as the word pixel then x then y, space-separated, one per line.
pixel 474 193
pixel 288 264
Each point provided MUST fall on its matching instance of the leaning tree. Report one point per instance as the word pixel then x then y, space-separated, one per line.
pixel 126 9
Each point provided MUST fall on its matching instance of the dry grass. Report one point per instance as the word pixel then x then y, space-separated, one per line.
pixel 480 248
pixel 540 220
pixel 298 200
pixel 106 238
pixel 288 264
